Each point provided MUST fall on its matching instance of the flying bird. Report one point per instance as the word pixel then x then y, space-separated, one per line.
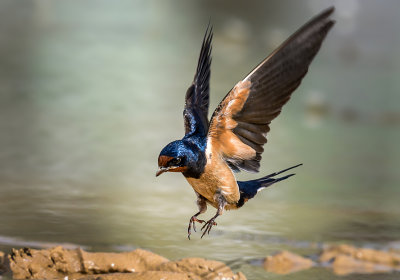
pixel 233 139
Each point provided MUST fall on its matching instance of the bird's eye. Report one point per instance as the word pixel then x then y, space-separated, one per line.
pixel 174 162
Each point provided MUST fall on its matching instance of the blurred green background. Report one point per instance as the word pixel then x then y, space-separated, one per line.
pixel 91 91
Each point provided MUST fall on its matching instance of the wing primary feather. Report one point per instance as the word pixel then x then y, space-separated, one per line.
pixel 198 95
pixel 322 17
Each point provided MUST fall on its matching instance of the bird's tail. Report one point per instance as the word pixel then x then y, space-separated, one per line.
pixel 249 189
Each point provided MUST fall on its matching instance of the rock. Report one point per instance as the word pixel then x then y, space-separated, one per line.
pixel 206 269
pixel 347 259
pixel 362 254
pixel 146 275
pixel 135 261
pixel 285 262
pixel 39 264
pixel 139 264
pixel 157 275
pixel 344 265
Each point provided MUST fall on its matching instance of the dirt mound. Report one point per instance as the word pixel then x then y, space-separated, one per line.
pixel 139 264
pixel 342 259
pixel 346 259
pixel 285 262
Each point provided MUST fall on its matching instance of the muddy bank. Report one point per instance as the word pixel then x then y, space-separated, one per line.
pixel 59 262
pixel 346 259
pixel 342 259
pixel 285 262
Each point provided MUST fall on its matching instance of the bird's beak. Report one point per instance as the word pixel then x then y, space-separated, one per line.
pixel 161 170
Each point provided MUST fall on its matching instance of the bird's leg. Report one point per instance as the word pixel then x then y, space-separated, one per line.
pixel 201 203
pixel 192 223
pixel 210 223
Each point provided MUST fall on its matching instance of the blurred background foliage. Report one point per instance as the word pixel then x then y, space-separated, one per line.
pixel 90 91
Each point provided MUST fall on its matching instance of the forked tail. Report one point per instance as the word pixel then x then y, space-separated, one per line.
pixel 249 189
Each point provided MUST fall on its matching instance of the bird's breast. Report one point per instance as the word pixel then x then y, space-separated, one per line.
pixel 217 177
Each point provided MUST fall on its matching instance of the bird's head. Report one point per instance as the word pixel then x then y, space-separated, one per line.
pixel 172 158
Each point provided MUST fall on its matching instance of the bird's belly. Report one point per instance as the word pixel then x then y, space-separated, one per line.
pixel 216 179
pixel 206 188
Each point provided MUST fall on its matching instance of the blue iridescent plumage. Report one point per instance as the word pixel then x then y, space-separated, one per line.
pixel 191 150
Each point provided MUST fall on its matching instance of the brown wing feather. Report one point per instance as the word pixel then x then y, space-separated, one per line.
pixel 240 123
pixel 224 140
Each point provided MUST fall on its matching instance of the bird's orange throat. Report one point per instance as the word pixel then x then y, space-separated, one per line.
pixel 178 169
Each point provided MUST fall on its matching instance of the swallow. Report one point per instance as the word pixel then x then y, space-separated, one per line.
pixel 211 151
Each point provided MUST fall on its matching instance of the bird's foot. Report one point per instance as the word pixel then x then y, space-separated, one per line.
pixel 192 223
pixel 207 226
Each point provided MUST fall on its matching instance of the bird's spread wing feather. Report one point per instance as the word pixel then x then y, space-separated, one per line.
pixel 239 125
pixel 197 98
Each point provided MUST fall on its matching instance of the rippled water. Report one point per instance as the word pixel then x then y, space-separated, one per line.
pixel 90 93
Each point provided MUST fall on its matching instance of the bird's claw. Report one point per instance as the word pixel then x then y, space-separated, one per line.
pixel 192 223
pixel 207 226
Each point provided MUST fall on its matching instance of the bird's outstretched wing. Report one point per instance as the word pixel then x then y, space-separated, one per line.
pixel 197 98
pixel 239 125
